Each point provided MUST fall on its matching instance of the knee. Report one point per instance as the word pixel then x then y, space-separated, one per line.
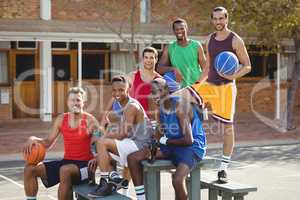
pixel 30 170
pixel 177 181
pixel 132 160
pixel 228 130
pixel 65 173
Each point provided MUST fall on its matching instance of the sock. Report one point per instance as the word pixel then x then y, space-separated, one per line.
pixel 224 163
pixel 104 175
pixel 140 192
pixel 31 198
pixel 114 175
pixel 125 192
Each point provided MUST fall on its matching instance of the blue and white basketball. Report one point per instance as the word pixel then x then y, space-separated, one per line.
pixel 226 63
pixel 170 78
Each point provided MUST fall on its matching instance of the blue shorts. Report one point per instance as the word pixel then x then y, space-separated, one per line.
pixel 53 167
pixel 184 155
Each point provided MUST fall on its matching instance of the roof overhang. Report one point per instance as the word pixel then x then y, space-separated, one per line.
pixel 69 31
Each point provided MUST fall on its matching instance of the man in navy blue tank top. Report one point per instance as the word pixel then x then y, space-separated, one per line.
pixel 220 90
pixel 183 141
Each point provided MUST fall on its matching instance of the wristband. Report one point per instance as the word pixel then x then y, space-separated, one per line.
pixel 163 140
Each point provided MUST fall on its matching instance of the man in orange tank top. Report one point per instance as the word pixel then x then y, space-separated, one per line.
pixel 76 127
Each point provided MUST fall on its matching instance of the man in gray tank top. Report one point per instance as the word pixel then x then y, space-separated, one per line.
pixel 133 133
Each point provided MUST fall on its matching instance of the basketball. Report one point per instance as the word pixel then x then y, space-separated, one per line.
pixel 36 155
pixel 171 81
pixel 226 63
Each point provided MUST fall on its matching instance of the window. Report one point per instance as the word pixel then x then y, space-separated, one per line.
pixel 95 46
pixel 26 45
pixel 60 45
pixel 262 64
pixel 3 68
pixel 25 67
pixel 158 47
pixel 61 67
pixel 93 65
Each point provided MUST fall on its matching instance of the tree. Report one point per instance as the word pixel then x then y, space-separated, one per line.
pixel 270 22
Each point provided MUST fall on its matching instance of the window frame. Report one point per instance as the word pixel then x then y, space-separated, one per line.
pixel 7 51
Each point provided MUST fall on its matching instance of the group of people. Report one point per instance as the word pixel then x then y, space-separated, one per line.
pixel 143 109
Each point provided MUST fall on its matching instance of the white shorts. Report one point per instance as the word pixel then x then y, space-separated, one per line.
pixel 125 147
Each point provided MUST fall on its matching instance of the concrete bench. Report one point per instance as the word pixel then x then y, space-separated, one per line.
pixel 81 192
pixel 228 191
pixel 152 177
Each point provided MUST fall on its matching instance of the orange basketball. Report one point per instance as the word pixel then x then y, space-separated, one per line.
pixel 36 155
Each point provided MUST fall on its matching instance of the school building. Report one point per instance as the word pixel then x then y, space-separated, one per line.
pixel 48 46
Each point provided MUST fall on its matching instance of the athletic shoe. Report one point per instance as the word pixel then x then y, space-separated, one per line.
pixel 222 177
pixel 118 181
pixel 103 189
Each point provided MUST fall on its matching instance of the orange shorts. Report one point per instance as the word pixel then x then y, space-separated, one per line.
pixel 220 97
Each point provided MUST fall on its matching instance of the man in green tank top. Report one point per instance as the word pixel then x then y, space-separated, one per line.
pixel 185 57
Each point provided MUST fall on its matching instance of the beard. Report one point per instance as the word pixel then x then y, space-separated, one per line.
pixel 75 110
pixel 220 27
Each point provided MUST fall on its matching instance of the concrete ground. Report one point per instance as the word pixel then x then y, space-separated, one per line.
pixel 263 157
pixel 273 169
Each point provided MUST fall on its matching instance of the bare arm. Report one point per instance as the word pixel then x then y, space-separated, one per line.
pixel 93 126
pixel 126 126
pixel 48 141
pixel 130 78
pixel 183 114
pixel 241 51
pixel 164 65
pixel 201 57
pixel 206 65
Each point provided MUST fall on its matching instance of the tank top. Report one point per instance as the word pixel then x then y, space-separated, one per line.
pixel 172 129
pixel 214 48
pixel 185 59
pixel 77 141
pixel 141 90
pixel 142 132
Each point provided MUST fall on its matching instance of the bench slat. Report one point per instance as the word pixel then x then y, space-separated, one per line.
pixel 84 189
pixel 167 164
pixel 231 187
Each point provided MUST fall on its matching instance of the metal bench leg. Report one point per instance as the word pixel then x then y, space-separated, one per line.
pixel 195 185
pixel 226 196
pixel 239 196
pixel 212 194
pixel 152 183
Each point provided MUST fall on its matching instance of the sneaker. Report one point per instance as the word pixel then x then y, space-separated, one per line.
pixel 118 181
pixel 222 177
pixel 103 189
